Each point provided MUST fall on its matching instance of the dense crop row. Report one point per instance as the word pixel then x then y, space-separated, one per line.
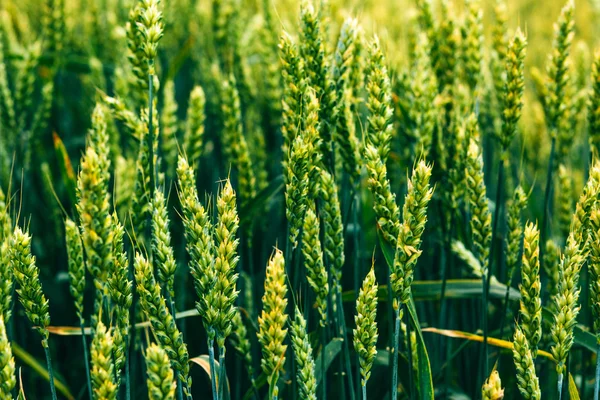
pixel 233 200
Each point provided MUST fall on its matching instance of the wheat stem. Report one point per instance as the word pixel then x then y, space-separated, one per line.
pixel 211 361
pixel 50 372
pixel 87 361
pixel 395 354
pixel 597 379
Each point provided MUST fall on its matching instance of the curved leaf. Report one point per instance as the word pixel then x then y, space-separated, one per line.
pixel 425 383
pixel 38 368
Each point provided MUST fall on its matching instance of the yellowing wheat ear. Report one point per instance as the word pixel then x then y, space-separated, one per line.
pixel 161 380
pixel 7 364
pixel 272 323
pixel 366 332
pixel 492 388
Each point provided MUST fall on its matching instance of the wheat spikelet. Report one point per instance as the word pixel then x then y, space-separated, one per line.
pixel 492 388
pixel 76 265
pixel 472 42
pixel 168 126
pixel 7 365
pixel 6 273
pixel 527 380
pixel 272 321
pixel 305 375
pixel 558 68
pixel 120 288
pixel 531 303
pixel 514 236
pixel 166 267
pixel 316 274
pixel 199 242
pixel 26 274
pixel 161 380
pixel 366 333
pixel 414 215
pixel 162 322
pixel 481 217
pixel 223 294
pixel 102 371
pixel 194 125
pixel 513 89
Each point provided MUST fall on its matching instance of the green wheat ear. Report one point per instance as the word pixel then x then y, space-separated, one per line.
pixel 594 108
pixel 7 365
pixel 6 273
pixel 30 292
pixel 120 288
pixel 166 267
pixel 379 101
pixel 594 269
pixel 481 217
pixel 161 380
pixel 305 376
pixel 316 274
pixel 558 67
pixel 224 293
pixel 414 215
pixel 76 265
pixel 514 236
pixel 513 89
pixel 527 380
pixel 272 322
pixel 366 334
pixel 472 42
pixel 531 303
pixel 194 126
pixel 102 372
pixel 162 322
pixel 241 343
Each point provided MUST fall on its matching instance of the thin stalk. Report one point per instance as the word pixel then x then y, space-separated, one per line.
pixel 221 371
pixel 597 380
pixel 127 372
pixel 410 359
pixel 150 135
pixel 323 371
pixel 560 386
pixel 50 373
pixel 213 375
pixel 544 227
pixel 364 392
pixel 484 322
pixel 87 360
pixel 346 347
pixel 395 355
pixel 393 335
pixel 178 381
pixel 357 264
pixel 504 311
pixel 488 279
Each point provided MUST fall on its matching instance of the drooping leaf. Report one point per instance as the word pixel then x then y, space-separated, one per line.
pixel 38 368
pixel 505 344
pixel 259 202
pixel 455 289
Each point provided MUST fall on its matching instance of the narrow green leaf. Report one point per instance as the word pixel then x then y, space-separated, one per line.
pixel 332 349
pixel 66 167
pixel 425 381
pixel 259 202
pixel 455 289
pixel 38 368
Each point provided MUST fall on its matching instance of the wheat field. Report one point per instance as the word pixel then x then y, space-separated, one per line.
pixel 244 199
